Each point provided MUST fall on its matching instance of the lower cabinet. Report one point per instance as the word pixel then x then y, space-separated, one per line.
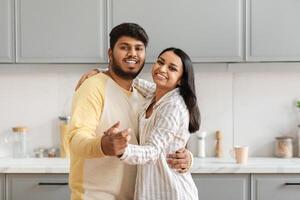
pixel 2 183
pixel 37 187
pixel 210 186
pixel 223 186
pixel 276 187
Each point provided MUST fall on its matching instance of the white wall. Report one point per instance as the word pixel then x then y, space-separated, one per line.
pixel 250 103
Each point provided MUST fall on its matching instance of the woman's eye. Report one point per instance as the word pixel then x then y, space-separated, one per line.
pixel 159 62
pixel 172 68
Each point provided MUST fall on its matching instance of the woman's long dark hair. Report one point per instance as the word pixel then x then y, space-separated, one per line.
pixel 187 88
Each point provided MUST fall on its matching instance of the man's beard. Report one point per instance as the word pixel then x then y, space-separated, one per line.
pixel 125 75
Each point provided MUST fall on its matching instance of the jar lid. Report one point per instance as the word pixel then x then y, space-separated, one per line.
pixel 284 138
pixel 20 129
pixel 64 118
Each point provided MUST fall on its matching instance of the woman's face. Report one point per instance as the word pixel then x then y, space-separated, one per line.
pixel 167 71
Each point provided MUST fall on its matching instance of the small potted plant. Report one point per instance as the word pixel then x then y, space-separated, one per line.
pixel 298 111
pixel 298 104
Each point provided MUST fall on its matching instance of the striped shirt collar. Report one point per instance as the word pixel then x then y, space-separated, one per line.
pixel 167 97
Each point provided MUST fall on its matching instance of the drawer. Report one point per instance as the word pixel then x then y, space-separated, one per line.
pixel 223 186
pixel 276 187
pixel 37 187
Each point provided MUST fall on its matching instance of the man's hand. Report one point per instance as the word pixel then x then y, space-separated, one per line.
pixel 86 76
pixel 114 141
pixel 180 160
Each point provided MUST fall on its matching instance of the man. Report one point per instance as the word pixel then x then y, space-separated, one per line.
pixel 102 106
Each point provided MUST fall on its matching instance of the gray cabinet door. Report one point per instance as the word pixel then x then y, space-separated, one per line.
pixel 37 187
pixel 2 184
pixel 6 31
pixel 61 31
pixel 276 187
pixel 273 29
pixel 223 186
pixel 208 30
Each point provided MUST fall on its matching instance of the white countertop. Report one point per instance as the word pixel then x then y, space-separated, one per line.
pixel 254 165
pixel 201 165
pixel 34 165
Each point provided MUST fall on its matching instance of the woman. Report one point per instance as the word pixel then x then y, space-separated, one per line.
pixel 170 115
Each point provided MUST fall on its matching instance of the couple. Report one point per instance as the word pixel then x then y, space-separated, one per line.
pixel 160 120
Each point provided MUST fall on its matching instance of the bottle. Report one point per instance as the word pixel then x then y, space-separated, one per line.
pixel 218 147
pixel 201 144
pixel 64 144
pixel 20 142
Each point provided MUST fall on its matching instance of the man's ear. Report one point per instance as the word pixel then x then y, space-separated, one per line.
pixel 109 52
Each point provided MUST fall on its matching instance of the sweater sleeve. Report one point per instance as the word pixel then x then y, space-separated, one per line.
pixel 146 88
pixel 86 110
pixel 165 128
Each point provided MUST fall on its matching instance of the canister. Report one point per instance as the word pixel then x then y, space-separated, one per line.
pixel 19 142
pixel 284 147
pixel 64 128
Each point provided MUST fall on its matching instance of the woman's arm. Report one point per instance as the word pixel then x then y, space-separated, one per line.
pixel 166 127
pixel 146 88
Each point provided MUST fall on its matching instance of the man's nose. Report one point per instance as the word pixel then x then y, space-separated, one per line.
pixel 132 52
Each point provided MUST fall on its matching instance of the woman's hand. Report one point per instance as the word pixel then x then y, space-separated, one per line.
pixel 86 76
pixel 181 160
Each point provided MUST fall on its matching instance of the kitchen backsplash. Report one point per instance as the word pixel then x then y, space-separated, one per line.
pixel 250 103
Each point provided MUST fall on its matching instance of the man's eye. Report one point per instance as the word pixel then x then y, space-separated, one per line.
pixel 139 49
pixel 124 47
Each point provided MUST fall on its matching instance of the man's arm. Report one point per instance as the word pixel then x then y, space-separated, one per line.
pixel 86 111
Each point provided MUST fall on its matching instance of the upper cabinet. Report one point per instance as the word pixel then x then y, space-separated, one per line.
pixel 6 31
pixel 76 31
pixel 273 29
pixel 61 31
pixel 208 30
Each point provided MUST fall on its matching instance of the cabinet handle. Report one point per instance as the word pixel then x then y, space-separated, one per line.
pixel 287 184
pixel 47 183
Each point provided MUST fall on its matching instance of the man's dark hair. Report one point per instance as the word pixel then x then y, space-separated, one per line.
pixel 128 29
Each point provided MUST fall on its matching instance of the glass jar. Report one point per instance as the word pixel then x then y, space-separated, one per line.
pixel 64 128
pixel 19 142
pixel 284 147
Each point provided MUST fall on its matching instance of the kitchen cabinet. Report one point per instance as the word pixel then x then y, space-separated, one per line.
pixel 2 184
pixel 6 31
pixel 37 186
pixel 61 31
pixel 223 186
pixel 208 30
pixel 273 29
pixel 275 186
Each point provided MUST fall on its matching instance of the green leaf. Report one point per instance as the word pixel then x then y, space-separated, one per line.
pixel 298 104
